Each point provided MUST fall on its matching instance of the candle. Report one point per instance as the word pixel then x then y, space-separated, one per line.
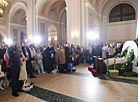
pixel 114 60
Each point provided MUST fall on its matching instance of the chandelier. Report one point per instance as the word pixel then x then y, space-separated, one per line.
pixel 3 4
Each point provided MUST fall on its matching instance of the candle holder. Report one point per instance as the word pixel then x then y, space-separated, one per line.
pixel 114 63
pixel 107 67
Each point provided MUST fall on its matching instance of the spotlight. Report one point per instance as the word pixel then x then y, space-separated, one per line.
pixel 9 42
pixel 92 35
pixel 37 39
pixel 5 39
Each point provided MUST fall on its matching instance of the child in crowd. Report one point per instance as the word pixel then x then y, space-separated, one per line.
pixel 39 55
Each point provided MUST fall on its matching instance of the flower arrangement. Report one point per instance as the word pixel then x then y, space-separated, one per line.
pixel 136 41
pixel 122 54
pixel 124 68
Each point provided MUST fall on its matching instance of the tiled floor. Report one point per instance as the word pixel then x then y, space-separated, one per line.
pixel 80 86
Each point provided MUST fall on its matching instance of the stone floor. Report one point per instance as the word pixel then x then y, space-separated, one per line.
pixel 80 86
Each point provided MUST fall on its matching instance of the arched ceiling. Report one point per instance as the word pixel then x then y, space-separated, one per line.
pixel 100 3
pixel 45 7
pixel 57 7
pixel 17 13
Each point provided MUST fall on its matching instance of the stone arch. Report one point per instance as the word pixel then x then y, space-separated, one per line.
pixel 40 4
pixel 52 28
pixel 52 34
pixel 3 35
pixel 15 7
pixel 62 14
pixel 21 16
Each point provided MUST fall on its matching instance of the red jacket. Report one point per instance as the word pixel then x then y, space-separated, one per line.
pixel 6 60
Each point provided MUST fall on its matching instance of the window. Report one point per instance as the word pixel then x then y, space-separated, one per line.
pixel 122 12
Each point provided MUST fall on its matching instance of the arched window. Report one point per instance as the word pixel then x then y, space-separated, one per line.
pixel 122 12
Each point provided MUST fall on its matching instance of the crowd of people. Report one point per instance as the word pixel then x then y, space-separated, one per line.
pixel 19 62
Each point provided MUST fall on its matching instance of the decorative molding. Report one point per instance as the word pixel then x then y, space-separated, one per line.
pixel 47 19
pixel 17 25
pixel 2 26
pixel 93 9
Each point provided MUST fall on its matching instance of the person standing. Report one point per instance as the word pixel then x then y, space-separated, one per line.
pixel 89 54
pixel 56 57
pixel 107 52
pixel 50 59
pixel 35 65
pixel 68 54
pixel 23 72
pixel 39 57
pixel 62 60
pixel 111 51
pixel 26 52
pixel 2 52
pixel 14 61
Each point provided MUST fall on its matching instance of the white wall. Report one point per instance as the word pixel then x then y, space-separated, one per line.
pixel 117 31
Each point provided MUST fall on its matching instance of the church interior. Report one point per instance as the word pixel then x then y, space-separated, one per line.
pixel 109 78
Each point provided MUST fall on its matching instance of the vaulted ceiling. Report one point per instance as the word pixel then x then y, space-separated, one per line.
pixel 57 7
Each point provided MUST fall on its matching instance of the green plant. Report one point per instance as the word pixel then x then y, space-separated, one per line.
pixel 124 67
pixel 130 74
pixel 136 41
pixel 122 54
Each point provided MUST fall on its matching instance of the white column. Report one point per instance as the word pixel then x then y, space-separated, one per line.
pixel 137 26
pixel 30 20
pixel 83 24
pixel 73 21
pixel 87 26
pixel 69 19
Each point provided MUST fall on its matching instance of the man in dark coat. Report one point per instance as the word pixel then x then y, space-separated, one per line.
pixel 27 53
pixel 50 57
pixel 68 54
pixel 14 61
pixel 98 50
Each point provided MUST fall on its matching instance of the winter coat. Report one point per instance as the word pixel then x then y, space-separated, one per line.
pixel 13 55
pixel 61 54
pixel 48 52
pixel 111 51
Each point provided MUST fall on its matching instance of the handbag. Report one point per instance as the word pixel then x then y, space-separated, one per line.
pixel 26 86
pixel 54 71
pixel 6 82
pixel 35 65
